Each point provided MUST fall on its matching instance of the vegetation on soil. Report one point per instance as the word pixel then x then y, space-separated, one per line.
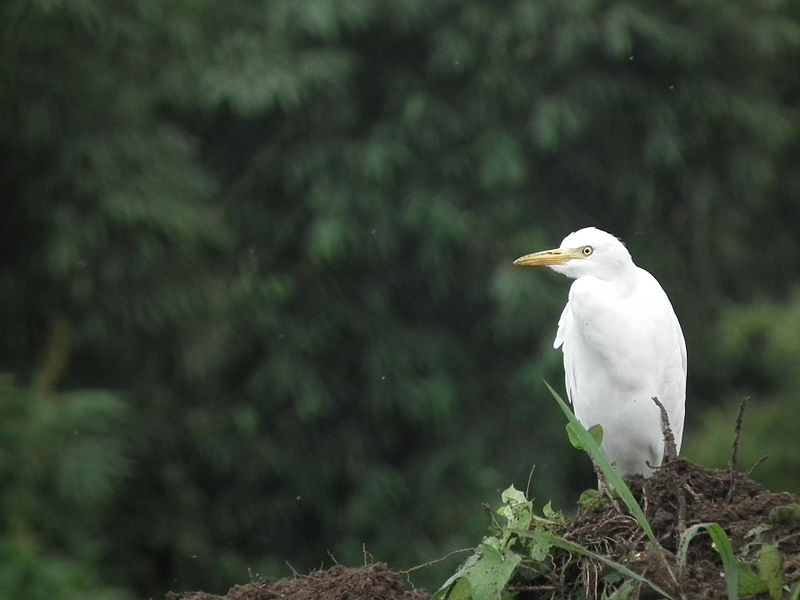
pixel 613 551
pixel 640 538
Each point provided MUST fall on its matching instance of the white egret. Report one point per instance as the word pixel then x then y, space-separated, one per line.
pixel 622 346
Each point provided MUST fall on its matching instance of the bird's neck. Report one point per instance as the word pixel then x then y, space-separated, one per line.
pixel 625 279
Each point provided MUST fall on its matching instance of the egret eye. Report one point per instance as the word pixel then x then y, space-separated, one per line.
pixel 587 250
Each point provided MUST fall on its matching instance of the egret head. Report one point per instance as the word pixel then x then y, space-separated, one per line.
pixel 588 251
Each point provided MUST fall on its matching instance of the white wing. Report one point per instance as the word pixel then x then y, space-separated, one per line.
pixel 564 324
pixel 683 347
pixel 564 329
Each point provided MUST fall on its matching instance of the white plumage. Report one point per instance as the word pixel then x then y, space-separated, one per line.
pixel 622 345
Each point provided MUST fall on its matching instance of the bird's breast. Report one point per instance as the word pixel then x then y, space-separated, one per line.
pixel 619 337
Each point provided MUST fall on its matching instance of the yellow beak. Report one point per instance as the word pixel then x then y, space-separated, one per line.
pixel 557 256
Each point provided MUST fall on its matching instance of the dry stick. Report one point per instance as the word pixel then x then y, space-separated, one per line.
pixel 671 453
pixel 528 486
pixel 295 572
pixel 786 538
pixel 436 561
pixel 670 450
pixel 758 464
pixel 733 463
pixel 606 490
pixel 365 553
pixel 532 588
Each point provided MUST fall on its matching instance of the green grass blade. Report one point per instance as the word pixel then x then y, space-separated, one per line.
pixel 723 545
pixel 796 593
pixel 624 592
pixel 686 539
pixel 613 478
pixel 724 548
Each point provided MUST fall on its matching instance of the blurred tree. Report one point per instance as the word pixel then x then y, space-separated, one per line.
pixel 107 248
pixel 761 346
pixel 285 229
pixel 60 463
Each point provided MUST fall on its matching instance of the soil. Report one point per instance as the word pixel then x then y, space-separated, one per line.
pixel 373 582
pixel 679 495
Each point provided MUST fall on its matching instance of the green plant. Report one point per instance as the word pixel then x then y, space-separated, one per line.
pixel 486 573
pixel 529 540
pixel 527 548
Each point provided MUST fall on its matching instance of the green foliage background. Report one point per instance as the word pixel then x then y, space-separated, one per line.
pixel 257 301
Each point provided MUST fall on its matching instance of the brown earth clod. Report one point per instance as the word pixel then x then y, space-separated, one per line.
pixel 372 582
pixel 681 494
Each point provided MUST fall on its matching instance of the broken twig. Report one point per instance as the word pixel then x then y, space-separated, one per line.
pixel 670 450
pixel 733 463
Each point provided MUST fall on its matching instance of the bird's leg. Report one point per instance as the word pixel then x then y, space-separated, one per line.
pixel 606 490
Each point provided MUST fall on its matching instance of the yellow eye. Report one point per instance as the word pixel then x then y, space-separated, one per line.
pixel 587 250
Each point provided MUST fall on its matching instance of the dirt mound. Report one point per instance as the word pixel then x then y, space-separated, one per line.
pixel 680 495
pixel 373 582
